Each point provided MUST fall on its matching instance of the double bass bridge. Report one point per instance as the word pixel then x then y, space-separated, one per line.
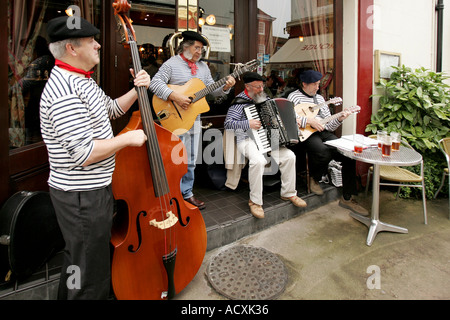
pixel 165 224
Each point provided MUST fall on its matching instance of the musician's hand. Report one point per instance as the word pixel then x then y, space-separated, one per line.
pixel 344 115
pixel 136 138
pixel 142 79
pixel 181 100
pixel 254 124
pixel 313 122
pixel 229 83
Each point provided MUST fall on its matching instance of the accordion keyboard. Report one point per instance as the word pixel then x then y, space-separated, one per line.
pixel 259 136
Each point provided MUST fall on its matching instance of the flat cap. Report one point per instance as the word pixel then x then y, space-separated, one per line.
pixel 192 35
pixel 66 27
pixel 310 76
pixel 252 76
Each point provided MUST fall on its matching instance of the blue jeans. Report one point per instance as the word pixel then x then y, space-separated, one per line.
pixel 191 140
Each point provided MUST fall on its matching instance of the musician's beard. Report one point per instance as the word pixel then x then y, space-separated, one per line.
pixel 258 97
pixel 190 56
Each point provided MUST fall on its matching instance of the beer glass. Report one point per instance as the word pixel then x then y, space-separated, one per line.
pixel 386 148
pixel 358 143
pixel 380 135
pixel 396 140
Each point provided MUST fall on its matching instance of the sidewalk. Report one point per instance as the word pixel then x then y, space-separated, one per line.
pixel 326 257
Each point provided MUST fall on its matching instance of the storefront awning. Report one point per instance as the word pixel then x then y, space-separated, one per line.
pixel 310 49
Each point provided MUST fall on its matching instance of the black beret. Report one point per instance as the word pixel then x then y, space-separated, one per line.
pixel 192 35
pixel 310 76
pixel 62 28
pixel 252 76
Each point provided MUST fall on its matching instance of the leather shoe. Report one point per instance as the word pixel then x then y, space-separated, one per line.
pixel 353 206
pixel 200 204
pixel 315 187
pixel 296 201
pixel 256 210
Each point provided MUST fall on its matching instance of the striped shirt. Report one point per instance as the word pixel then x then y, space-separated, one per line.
pixel 237 120
pixel 177 72
pixel 299 97
pixel 74 112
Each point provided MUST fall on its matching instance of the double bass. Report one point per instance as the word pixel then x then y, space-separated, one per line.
pixel 159 239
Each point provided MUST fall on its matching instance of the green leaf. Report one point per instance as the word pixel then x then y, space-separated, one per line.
pixel 419 131
pixel 396 107
pixel 440 114
pixel 407 115
pixel 428 144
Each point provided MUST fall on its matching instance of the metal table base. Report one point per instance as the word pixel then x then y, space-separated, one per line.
pixel 376 226
pixel 374 223
pixel 404 157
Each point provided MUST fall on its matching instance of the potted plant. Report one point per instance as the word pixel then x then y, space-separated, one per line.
pixel 416 103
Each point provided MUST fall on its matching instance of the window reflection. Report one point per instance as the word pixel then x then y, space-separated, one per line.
pixel 297 36
pixel 30 62
pixel 155 22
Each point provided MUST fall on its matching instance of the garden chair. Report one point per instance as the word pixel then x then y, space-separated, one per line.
pixel 444 144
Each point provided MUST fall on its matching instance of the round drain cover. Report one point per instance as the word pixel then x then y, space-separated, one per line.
pixel 247 273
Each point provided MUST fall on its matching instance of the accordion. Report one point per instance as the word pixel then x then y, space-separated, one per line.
pixel 278 124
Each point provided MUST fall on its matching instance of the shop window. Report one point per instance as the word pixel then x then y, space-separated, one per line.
pixel 30 61
pixel 300 38
pixel 221 35
pixel 156 21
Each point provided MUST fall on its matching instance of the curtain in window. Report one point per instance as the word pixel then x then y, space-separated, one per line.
pixel 316 24
pixel 87 9
pixel 22 35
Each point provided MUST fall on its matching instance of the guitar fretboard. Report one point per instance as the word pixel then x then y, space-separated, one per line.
pixel 213 87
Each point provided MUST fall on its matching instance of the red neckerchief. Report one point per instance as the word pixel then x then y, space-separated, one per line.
pixel 68 67
pixel 191 65
pixel 246 92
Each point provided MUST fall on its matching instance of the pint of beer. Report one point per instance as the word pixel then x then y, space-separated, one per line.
pixel 387 146
pixel 396 139
pixel 358 143
pixel 380 135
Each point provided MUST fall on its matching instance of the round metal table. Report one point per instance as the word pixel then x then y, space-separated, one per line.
pixel 404 157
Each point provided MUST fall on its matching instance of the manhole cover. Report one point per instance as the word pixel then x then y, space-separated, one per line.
pixel 247 273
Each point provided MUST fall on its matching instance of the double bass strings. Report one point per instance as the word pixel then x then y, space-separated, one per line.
pixel 160 183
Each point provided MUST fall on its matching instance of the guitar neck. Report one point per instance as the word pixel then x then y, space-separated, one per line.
pixel 323 104
pixel 330 118
pixel 337 115
pixel 213 87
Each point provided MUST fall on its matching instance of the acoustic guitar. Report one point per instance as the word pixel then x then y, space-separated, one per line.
pixel 178 120
pixel 305 133
pixel 311 110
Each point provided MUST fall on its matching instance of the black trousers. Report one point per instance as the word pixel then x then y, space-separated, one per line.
pixel 85 219
pixel 320 154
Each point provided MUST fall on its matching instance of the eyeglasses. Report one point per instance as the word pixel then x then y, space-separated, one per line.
pixel 261 86
pixel 198 49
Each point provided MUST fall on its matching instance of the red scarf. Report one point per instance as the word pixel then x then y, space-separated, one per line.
pixel 191 64
pixel 68 67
